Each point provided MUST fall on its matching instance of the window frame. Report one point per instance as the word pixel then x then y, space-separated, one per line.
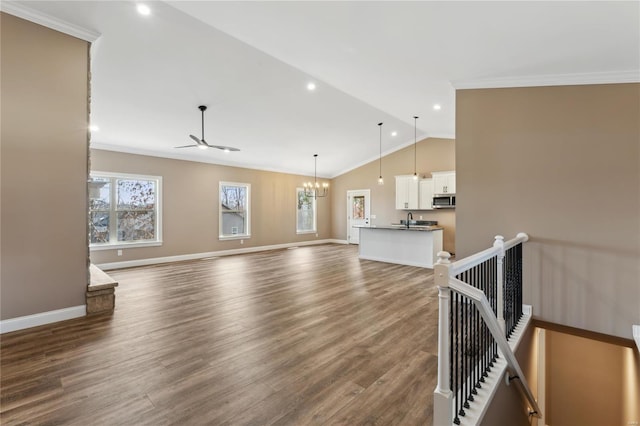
pixel 113 211
pixel 314 203
pixel 247 212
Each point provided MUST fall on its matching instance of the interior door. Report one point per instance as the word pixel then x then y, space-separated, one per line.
pixel 358 206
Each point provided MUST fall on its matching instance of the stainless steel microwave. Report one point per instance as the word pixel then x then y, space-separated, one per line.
pixel 444 202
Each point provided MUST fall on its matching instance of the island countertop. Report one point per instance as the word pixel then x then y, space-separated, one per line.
pixel 422 228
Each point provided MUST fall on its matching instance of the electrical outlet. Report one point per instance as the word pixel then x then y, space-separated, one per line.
pixel 119 252
pixel 373 216
pixel 316 235
pixel 241 241
pixel 420 217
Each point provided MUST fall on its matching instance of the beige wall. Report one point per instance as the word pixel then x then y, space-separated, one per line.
pixel 603 388
pixel 587 381
pixel 43 169
pixel 433 155
pixel 563 165
pixel 190 206
pixel 508 406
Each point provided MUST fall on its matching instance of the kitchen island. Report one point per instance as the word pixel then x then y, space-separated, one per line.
pixel 414 246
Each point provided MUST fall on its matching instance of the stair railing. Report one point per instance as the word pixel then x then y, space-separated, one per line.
pixel 480 305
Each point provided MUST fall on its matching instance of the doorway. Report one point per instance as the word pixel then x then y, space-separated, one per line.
pixel 358 206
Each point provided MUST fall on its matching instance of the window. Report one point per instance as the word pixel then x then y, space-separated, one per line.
pixel 305 213
pixel 234 210
pixel 124 210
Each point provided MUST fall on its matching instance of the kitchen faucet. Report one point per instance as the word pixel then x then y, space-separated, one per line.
pixel 409 215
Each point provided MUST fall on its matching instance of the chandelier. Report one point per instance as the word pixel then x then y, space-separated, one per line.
pixel 313 189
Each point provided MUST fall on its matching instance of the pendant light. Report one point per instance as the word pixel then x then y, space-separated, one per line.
pixel 415 148
pixel 380 180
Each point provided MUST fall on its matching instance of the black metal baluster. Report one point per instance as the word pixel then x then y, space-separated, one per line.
pixel 456 420
pixel 463 356
pixel 520 279
pixel 478 355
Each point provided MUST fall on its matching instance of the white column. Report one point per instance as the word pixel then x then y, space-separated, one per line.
pixel 499 242
pixel 442 395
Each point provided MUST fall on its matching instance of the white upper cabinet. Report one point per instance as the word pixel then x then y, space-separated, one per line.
pixel 444 182
pixel 426 194
pixel 406 193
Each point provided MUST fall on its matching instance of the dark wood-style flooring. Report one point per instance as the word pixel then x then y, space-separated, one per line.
pixel 311 335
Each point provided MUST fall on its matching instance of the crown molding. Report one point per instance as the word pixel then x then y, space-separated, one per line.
pixel 25 12
pixel 550 80
pixel 194 158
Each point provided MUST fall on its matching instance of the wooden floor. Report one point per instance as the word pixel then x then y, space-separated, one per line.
pixel 311 335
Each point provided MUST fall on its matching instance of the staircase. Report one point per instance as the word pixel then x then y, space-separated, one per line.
pixel 481 322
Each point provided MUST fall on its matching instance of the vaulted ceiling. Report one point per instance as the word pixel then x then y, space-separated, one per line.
pixel 371 62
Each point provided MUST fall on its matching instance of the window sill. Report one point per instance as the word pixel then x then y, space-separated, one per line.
pixel 305 232
pixel 234 237
pixel 124 245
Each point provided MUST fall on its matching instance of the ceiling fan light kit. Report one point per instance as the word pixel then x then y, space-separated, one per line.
pixel 202 143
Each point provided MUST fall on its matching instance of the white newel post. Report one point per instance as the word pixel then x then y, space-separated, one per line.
pixel 442 396
pixel 499 242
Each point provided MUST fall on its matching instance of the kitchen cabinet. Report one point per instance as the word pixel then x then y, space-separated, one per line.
pixel 444 182
pixel 425 199
pixel 406 193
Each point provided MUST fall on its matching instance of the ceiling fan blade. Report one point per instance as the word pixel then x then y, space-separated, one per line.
pixel 186 146
pixel 198 141
pixel 225 148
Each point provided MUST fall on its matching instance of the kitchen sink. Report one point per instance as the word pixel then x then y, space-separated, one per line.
pixel 418 222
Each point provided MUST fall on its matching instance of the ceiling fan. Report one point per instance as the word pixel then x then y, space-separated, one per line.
pixel 201 143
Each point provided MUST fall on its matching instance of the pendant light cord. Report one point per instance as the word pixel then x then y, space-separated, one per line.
pixel 415 146
pixel 315 169
pixel 380 161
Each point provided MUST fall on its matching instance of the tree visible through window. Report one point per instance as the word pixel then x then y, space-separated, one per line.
pixel 234 210
pixel 123 209
pixel 305 213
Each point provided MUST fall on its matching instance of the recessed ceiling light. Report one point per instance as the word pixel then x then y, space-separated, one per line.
pixel 94 128
pixel 143 9
pixel 202 146
pixel 437 107
pixel 394 133
pixel 311 87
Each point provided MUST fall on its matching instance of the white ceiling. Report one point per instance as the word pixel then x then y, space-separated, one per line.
pixel 372 62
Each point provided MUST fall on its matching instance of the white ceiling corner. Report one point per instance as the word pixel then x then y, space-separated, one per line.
pixel 21 10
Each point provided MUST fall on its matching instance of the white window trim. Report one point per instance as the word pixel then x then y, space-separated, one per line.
pixel 315 216
pixel 133 244
pixel 247 235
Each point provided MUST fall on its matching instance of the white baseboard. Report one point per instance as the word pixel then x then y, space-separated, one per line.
pixel 28 321
pixel 194 256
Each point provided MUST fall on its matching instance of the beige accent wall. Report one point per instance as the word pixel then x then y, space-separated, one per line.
pixel 562 164
pixel 43 169
pixel 432 155
pixel 190 202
